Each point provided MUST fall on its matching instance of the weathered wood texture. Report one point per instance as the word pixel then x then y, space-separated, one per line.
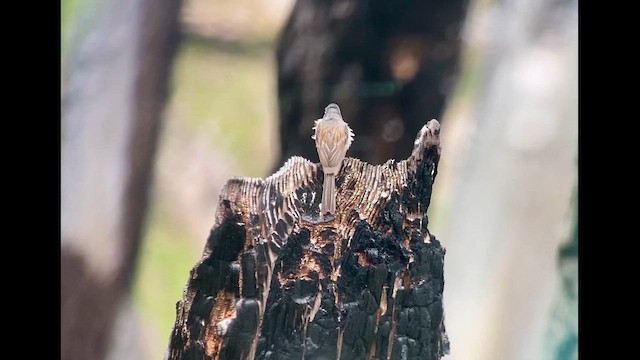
pixel 278 281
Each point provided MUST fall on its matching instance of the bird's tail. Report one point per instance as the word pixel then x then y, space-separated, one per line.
pixel 329 194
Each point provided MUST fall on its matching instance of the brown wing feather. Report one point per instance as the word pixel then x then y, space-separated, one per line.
pixel 332 143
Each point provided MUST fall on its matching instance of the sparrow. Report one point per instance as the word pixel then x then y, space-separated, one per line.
pixel 333 137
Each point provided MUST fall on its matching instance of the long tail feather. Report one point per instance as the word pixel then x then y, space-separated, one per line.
pixel 329 194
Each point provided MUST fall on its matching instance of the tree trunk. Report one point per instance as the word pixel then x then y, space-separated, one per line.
pixel 512 178
pixel 277 280
pixel 388 64
pixel 115 88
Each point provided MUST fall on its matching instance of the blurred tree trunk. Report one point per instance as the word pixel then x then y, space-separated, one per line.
pixel 390 65
pixel 114 88
pixel 511 181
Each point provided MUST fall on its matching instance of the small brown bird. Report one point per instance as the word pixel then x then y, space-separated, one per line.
pixel 333 137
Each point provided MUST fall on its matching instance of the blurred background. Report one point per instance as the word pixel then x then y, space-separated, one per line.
pixel 163 101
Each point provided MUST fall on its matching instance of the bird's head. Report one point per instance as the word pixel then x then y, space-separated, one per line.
pixel 332 111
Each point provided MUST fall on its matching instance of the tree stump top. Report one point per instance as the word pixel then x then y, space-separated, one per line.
pixel 278 280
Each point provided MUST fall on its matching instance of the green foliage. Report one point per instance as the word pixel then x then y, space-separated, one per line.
pixel 168 254
pixel 562 333
pixel 75 15
pixel 211 82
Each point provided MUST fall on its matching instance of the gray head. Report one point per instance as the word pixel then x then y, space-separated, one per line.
pixel 332 111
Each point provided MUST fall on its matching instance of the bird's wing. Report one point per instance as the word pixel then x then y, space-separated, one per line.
pixel 315 125
pixel 332 142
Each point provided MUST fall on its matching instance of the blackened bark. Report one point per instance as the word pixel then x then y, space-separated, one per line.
pixel 278 281
pixel 387 63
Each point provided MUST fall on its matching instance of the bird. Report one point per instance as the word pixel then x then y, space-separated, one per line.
pixel 333 137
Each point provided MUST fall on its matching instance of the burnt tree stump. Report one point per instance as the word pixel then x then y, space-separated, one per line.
pixel 278 281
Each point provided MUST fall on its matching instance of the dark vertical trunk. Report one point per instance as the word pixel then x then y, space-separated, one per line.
pixel 388 64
